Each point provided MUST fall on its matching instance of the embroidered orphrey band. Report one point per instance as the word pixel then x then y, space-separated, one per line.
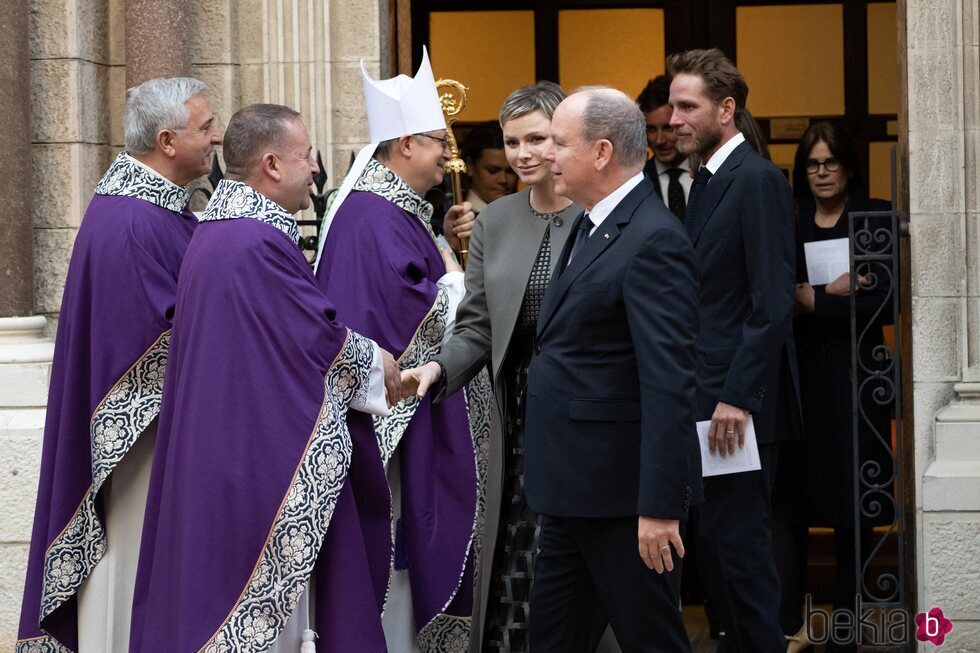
pixel 283 569
pixel 122 415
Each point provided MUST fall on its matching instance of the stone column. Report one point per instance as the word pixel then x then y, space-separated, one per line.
pixel 944 142
pixel 16 227
pixel 157 39
pixel 307 55
pixel 25 353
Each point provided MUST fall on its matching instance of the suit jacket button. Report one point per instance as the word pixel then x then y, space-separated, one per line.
pixel 537 349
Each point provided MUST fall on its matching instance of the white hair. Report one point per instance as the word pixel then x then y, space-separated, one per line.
pixel 155 105
pixel 612 115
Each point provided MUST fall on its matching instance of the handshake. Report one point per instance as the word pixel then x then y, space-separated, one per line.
pixel 402 384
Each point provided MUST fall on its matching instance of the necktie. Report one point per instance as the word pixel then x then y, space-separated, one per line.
pixel 581 235
pixel 697 189
pixel 675 193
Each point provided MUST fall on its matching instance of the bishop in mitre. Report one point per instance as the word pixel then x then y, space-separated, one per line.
pixel 382 268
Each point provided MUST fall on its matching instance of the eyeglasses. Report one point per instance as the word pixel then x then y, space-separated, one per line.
pixel 830 165
pixel 444 141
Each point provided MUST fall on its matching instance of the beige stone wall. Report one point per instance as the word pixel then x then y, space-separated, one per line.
pixel 304 53
pixel 76 68
pixel 944 140
pixel 307 55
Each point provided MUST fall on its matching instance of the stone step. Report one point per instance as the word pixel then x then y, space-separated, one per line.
pixel 19 473
pixel 958 433
pixel 24 385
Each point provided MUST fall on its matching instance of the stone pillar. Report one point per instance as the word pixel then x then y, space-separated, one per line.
pixel 944 141
pixel 157 40
pixel 25 353
pixel 307 56
pixel 16 226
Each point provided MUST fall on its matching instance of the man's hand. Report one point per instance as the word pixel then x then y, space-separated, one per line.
pixel 841 286
pixel 655 537
pixel 417 380
pixel 393 379
pixel 805 298
pixel 727 428
pixel 458 224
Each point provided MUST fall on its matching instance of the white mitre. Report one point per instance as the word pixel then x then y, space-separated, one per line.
pixel 402 105
pixel 396 107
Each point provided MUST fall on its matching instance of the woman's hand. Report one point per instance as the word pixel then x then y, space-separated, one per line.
pixel 417 380
pixel 804 298
pixel 841 286
pixel 458 224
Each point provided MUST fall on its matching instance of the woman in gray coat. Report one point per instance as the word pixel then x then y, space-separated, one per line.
pixel 513 249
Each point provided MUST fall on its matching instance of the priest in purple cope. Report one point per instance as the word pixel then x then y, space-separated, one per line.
pixel 107 378
pixel 254 450
pixel 381 267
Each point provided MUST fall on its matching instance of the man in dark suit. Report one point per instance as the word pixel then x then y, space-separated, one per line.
pixel 740 219
pixel 668 169
pixel 611 454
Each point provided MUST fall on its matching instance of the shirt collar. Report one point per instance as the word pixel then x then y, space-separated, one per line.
pixel 605 206
pixel 476 201
pixel 127 177
pixel 233 200
pixel 662 168
pixel 719 157
pixel 381 180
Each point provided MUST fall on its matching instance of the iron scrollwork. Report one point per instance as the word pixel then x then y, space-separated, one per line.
pixel 875 386
pixel 320 200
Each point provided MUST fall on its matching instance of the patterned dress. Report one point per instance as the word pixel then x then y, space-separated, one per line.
pixel 519 527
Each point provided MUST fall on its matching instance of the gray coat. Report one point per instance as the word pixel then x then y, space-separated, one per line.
pixel 502 250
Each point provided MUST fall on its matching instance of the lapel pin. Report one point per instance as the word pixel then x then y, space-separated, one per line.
pixel 606 236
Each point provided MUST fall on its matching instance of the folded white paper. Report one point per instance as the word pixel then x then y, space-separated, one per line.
pixel 826 260
pixel 745 459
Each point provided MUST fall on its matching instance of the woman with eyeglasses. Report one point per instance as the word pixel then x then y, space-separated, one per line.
pixel 828 187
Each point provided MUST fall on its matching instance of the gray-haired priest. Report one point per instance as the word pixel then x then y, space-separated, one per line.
pixel 107 378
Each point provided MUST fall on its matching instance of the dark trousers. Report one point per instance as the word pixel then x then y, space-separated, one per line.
pixel 590 565
pixel 735 543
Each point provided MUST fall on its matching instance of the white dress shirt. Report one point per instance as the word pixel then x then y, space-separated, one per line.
pixel 605 206
pixel 663 179
pixel 719 157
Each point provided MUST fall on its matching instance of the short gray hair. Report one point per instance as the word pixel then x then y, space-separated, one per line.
pixel 611 115
pixel 384 149
pixel 250 131
pixel 156 105
pixel 544 96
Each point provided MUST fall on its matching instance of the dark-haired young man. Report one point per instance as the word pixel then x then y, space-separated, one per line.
pixel 668 169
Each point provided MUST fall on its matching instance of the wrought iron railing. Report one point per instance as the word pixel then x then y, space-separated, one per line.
pixel 320 200
pixel 876 383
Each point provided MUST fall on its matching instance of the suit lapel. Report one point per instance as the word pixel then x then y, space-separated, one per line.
pixel 523 240
pixel 548 303
pixel 651 172
pixel 714 191
pixel 604 236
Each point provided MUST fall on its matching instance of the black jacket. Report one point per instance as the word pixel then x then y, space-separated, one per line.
pixel 610 408
pixel 743 234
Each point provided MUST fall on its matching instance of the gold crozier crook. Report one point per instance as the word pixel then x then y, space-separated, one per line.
pixel 452 97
